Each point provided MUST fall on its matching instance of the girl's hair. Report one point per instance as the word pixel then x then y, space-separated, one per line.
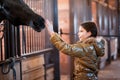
pixel 90 26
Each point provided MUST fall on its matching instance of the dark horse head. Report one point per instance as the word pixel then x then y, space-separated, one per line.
pixel 19 13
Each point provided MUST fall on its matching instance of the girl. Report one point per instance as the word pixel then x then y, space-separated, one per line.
pixel 86 51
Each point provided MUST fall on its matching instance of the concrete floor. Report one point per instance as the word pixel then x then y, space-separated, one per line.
pixel 110 72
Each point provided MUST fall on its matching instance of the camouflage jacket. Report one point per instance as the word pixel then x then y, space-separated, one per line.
pixel 86 56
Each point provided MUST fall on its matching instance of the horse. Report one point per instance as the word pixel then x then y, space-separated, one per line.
pixel 17 12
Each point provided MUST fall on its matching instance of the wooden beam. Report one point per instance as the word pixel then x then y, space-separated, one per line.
pixel 105 4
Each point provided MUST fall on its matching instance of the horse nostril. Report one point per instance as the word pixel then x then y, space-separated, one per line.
pixel 35 24
pixel 39 22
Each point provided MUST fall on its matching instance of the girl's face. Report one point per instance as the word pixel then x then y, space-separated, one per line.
pixel 83 34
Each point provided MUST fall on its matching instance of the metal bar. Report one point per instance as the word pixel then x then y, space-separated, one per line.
pixel 118 24
pixel 23 40
pixel 12 41
pixel 6 40
pixel 18 42
pixel 37 52
pixel 109 45
pixel 1 54
pixel 30 39
pixel 56 52
pixel 97 35
pixel 27 40
pixel 20 70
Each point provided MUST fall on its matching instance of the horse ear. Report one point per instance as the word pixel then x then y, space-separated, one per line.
pixel 21 1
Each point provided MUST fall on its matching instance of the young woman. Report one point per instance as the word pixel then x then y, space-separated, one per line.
pixel 86 51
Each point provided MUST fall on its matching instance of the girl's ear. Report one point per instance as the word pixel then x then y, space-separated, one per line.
pixel 89 33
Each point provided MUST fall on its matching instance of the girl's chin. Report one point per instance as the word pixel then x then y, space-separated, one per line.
pixel 80 40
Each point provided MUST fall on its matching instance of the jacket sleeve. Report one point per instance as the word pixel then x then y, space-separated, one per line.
pixel 72 50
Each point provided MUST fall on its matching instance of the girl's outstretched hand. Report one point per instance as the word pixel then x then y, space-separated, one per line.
pixel 49 27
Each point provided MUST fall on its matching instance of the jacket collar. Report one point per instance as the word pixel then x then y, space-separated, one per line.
pixel 89 40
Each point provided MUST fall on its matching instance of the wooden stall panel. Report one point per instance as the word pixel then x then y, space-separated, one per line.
pixel 9 76
pixel 33 68
pixel 49 74
pixel 34 74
